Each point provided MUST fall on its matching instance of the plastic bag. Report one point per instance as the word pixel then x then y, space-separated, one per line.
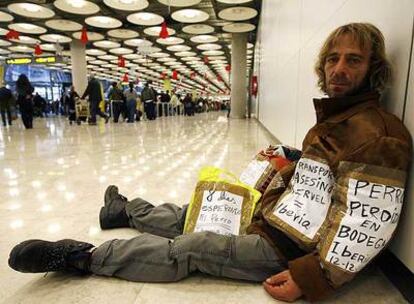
pixel 221 203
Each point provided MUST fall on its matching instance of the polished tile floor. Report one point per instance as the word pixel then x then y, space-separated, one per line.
pixel 52 182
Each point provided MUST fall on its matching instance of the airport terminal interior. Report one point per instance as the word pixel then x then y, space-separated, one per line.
pixel 229 77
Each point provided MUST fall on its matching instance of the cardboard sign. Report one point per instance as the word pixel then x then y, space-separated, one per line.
pixel 372 215
pixel 220 212
pixel 305 207
pixel 253 172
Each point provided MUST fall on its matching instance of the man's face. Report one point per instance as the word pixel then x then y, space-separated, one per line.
pixel 346 67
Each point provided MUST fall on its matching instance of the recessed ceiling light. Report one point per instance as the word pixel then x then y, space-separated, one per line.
pixel 239 27
pixel 103 22
pixel 55 38
pixel 92 36
pixel 27 28
pixel 179 2
pixel 63 25
pixel 237 13
pixel 30 7
pixel 77 3
pixel 121 51
pixel 170 40
pixel 190 15
pixel 123 33
pixel 209 46
pixel 127 5
pixel 144 18
pixel 234 1
pixel 30 10
pixel 185 54
pixel 26 40
pixel 204 38
pixel 106 44
pixel 155 31
pixel 79 7
pixel 4 17
pixel 137 42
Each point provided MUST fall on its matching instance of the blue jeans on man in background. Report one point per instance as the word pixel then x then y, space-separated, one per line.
pixel 131 109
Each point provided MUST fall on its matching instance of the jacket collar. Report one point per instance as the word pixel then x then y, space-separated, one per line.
pixel 340 108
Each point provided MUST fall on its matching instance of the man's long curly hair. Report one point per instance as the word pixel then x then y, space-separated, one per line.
pixel 366 35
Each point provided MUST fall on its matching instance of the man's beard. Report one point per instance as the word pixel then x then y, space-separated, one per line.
pixel 363 87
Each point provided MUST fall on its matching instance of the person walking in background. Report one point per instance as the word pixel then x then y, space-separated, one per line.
pixel 175 103
pixel 94 92
pixel 148 98
pixel 25 101
pixel 165 100
pixel 38 102
pixel 116 97
pixel 71 100
pixel 139 109
pixel 6 100
pixel 131 102
pixel 228 106
pixel 188 105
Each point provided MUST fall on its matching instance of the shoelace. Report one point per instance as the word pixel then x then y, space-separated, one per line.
pixel 55 258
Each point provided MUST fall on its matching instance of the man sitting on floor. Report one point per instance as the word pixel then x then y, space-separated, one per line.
pixel 322 220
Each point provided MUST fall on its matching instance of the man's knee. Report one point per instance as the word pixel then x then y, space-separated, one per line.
pixel 138 207
pixel 204 244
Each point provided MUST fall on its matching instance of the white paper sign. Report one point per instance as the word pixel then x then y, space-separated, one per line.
pixel 220 212
pixel 372 216
pixel 306 206
pixel 253 172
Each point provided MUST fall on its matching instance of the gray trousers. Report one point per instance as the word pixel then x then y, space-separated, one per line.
pixel 163 254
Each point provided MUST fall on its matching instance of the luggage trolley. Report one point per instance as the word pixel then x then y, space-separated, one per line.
pixel 82 110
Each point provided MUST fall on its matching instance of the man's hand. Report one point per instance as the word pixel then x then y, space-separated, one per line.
pixel 282 287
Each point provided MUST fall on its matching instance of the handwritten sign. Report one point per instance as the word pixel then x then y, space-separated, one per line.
pixel 306 205
pixel 220 212
pixel 372 216
pixel 253 172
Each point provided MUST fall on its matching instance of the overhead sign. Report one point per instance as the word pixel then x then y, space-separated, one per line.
pixel 43 60
pixel 19 60
pixel 36 60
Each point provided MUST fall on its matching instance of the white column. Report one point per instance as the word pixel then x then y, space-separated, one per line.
pixel 79 70
pixel 238 75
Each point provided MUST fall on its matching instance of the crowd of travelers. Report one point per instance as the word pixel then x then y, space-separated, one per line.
pixel 120 101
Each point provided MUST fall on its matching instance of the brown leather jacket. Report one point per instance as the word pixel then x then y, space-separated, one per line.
pixel 334 210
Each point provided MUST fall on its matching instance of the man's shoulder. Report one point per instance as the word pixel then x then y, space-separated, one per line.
pixel 380 116
pixel 381 122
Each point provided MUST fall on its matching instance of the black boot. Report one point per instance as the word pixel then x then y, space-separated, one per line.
pixel 113 214
pixel 43 256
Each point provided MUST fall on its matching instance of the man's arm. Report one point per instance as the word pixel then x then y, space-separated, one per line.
pixel 88 88
pixel 111 91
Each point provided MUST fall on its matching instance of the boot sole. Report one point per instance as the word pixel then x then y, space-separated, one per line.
pixel 108 194
pixel 110 223
pixel 102 215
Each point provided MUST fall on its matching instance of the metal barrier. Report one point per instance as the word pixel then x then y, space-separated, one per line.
pixel 166 109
